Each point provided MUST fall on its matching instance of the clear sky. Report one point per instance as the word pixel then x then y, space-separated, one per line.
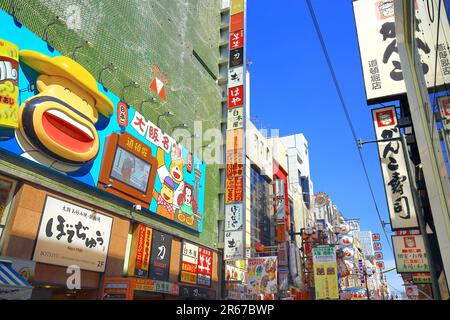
pixel 292 90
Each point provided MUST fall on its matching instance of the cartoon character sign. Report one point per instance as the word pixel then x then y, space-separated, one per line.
pixel 63 122
pixel 165 199
pixel 187 204
pixel 57 126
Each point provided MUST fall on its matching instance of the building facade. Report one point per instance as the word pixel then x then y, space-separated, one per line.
pixel 125 195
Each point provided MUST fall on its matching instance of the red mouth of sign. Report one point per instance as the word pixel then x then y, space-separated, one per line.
pixel 166 197
pixel 67 132
pixel 176 175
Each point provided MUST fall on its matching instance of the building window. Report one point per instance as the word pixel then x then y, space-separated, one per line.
pixel 7 187
pixel 262 225
pixel 305 190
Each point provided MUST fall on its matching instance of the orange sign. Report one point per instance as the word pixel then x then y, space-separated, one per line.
pixel 234 189
pixel 235 139
pixel 140 251
pixel 237 22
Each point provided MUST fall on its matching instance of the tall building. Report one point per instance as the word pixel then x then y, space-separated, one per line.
pixel 300 181
pixel 116 175
pixel 366 243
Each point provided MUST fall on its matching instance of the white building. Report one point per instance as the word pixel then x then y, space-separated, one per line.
pixel 300 183
pixel 365 238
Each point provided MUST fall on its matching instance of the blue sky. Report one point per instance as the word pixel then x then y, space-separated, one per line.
pixel 292 90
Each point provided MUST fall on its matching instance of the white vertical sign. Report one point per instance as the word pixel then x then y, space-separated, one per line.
pixel 397 185
pixel 375 24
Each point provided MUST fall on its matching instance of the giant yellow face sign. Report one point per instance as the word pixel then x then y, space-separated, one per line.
pixel 59 121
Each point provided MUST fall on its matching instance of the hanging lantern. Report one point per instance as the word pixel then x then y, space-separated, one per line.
pixel 343 228
pixel 348 252
pixel 345 240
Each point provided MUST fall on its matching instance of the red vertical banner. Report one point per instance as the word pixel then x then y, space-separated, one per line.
pixel 237 39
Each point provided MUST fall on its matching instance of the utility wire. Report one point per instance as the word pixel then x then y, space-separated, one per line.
pixel 347 115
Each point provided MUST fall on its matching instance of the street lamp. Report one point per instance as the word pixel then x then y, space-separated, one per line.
pixel 55 21
pixel 165 114
pixel 85 44
pixel 181 125
pixel 195 136
pixel 132 84
pixel 151 99
pixel 110 66
pixel 202 147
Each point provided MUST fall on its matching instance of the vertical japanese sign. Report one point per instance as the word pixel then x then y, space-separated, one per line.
pixel 189 261
pixel 410 255
pixel 196 265
pixel 140 251
pixel 234 245
pixel 375 24
pixel 400 201
pixel 204 267
pixel 325 272
pixel 160 256
pixel 361 271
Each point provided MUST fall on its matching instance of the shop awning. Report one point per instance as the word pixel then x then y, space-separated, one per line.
pixel 12 285
pixel 10 277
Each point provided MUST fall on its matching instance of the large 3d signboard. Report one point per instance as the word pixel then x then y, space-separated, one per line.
pixel 375 23
pixel 60 119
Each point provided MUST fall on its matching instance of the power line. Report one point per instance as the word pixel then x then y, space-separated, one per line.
pixel 347 115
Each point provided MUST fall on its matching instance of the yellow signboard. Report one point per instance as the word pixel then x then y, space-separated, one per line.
pixel 236 6
pixel 325 272
pixel 9 90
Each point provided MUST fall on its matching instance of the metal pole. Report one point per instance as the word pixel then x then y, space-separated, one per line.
pixel 422 225
pixel 367 285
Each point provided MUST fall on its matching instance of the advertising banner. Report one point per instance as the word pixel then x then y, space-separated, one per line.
pixel 138 264
pixel 149 285
pixel 262 275
pixel 235 118
pixel 421 277
pixel 377 246
pixel 235 143
pixel 375 24
pixel 325 272
pixel 80 140
pixel 204 267
pixel 234 216
pixel 400 201
pixel 196 265
pixel 9 80
pixel 234 245
pixel 72 235
pixel 444 109
pixel 160 256
pixel 118 288
pixel 189 261
pixel 410 255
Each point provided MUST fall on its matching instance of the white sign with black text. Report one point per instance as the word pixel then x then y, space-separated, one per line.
pixel 73 235
pixel 397 186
